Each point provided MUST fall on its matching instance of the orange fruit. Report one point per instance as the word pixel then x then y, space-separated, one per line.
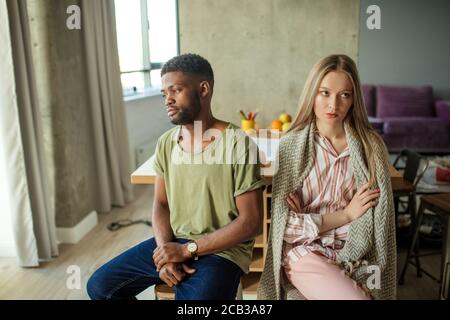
pixel 276 125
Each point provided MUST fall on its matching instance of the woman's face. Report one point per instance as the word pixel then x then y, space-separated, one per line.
pixel 334 98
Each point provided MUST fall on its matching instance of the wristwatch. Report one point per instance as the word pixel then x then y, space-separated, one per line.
pixel 193 248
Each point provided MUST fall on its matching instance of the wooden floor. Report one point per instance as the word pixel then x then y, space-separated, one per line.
pixel 423 288
pixel 100 245
pixel 96 248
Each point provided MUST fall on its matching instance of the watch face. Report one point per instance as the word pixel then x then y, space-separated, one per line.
pixel 192 247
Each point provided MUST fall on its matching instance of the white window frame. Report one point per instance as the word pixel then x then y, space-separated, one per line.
pixel 150 65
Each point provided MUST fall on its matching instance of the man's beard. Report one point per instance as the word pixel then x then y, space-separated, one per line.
pixel 188 115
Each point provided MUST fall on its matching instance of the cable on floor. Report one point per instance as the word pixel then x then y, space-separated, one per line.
pixel 114 226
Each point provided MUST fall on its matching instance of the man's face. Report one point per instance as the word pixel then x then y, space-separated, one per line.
pixel 181 95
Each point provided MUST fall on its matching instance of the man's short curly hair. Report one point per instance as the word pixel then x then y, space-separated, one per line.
pixel 190 63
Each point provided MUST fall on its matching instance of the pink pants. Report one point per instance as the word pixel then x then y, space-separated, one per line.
pixel 317 278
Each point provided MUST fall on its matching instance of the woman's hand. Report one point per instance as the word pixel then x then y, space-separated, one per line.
pixel 294 202
pixel 363 199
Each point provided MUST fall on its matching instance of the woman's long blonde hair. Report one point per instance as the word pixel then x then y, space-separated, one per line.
pixel 357 115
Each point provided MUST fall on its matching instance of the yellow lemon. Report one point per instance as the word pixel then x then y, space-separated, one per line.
pixel 286 126
pixel 285 117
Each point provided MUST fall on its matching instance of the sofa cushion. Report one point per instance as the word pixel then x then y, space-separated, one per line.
pixel 443 110
pixel 404 101
pixel 368 92
pixel 419 126
pixel 377 124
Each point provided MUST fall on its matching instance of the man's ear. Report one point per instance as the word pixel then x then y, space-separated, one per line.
pixel 205 89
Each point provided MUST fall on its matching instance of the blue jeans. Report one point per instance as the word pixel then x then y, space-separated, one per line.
pixel 133 271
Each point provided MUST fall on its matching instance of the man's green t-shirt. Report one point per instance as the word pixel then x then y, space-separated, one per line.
pixel 201 187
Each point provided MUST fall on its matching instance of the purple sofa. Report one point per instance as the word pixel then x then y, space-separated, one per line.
pixel 409 117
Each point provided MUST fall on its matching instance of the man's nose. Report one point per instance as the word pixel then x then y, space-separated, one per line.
pixel 169 100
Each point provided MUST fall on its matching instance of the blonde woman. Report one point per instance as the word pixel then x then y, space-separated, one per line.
pixel 333 232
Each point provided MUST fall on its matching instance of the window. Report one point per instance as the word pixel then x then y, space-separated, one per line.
pixel 147 36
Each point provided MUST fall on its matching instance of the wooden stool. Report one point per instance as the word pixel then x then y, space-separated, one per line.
pixel 164 292
pixel 439 204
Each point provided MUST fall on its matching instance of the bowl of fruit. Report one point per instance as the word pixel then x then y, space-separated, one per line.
pixel 282 124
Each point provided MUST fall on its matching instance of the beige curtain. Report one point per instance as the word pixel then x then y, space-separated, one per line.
pixel 33 218
pixel 107 108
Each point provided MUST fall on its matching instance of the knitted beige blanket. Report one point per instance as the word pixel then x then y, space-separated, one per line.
pixel 369 254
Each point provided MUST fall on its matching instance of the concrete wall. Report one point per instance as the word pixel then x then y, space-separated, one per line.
pixel 58 60
pixel 411 48
pixel 262 50
pixel 60 75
